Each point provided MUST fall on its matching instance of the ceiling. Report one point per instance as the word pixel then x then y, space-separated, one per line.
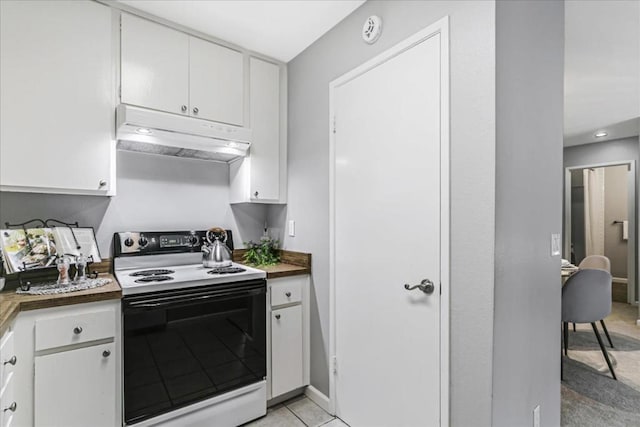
pixel 602 48
pixel 602 69
pixel 280 29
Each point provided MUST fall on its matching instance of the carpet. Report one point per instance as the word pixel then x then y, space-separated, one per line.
pixel 590 396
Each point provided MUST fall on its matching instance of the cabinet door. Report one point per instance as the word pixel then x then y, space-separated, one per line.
pixel 286 350
pixel 76 387
pixel 57 97
pixel 155 66
pixel 215 82
pixel 265 122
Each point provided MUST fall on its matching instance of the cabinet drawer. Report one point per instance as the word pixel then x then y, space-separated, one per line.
pixel 8 359
pixel 74 329
pixel 286 291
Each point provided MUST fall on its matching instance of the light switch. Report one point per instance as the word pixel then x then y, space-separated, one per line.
pixel 292 228
pixel 555 244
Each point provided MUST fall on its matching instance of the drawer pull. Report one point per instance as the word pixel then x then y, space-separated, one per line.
pixel 11 407
pixel 77 330
pixel 106 353
pixel 288 294
pixel 278 316
pixel 11 361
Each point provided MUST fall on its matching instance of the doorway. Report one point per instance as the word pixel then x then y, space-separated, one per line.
pixel 389 262
pixel 600 219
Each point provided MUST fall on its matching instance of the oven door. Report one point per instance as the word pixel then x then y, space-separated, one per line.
pixel 184 346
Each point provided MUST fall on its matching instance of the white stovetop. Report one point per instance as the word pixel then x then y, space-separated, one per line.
pixel 185 276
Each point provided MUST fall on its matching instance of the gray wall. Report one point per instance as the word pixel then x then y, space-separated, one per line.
pixel 472 178
pixel 529 98
pixel 153 193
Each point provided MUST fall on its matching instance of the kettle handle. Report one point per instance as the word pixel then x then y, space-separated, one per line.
pixel 216 230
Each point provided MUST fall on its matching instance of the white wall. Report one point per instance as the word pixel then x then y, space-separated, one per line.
pixel 529 94
pixel 472 179
pixel 153 193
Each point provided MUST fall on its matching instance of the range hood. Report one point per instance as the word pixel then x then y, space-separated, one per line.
pixel 156 132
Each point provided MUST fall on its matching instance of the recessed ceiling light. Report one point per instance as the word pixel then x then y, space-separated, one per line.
pixel 600 134
pixel 144 131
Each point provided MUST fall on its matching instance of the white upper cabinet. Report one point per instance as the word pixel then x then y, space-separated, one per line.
pixel 57 97
pixel 167 70
pixel 155 66
pixel 216 82
pixel 262 177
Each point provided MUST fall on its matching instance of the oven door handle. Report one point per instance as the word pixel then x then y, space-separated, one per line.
pixel 188 299
pixel 171 302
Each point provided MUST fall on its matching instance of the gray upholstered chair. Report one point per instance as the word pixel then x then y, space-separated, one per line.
pixel 598 262
pixel 586 298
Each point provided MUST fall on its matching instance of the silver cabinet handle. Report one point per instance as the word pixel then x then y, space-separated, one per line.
pixel 278 316
pixel 425 286
pixel 183 108
pixel 77 330
pixel 195 110
pixel 106 353
pixel 102 183
pixel 256 194
pixel 11 361
pixel 288 294
pixel 11 407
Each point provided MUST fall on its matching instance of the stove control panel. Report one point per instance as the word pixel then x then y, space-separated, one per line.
pixel 132 243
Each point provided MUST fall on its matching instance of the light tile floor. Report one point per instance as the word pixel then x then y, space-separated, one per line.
pixel 297 412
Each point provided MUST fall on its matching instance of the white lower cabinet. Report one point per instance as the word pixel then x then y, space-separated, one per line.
pixel 76 387
pixel 8 362
pixel 288 334
pixel 69 370
pixel 286 351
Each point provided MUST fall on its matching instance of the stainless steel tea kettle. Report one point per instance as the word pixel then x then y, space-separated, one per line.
pixel 215 252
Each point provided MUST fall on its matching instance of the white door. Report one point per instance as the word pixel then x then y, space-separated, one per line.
pixel 287 371
pixel 264 87
pixel 155 66
pixel 216 82
pixel 76 387
pixel 56 96
pixel 387 206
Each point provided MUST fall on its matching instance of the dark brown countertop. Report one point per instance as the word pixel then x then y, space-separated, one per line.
pixel 292 264
pixel 11 303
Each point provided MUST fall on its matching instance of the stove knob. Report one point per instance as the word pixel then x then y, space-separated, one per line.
pixel 143 241
pixel 128 242
pixel 193 240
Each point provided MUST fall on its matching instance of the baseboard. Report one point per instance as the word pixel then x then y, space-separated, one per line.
pixel 318 398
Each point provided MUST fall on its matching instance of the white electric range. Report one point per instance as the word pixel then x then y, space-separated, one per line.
pixel 194 337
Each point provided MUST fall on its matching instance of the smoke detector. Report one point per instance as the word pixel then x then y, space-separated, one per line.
pixel 372 29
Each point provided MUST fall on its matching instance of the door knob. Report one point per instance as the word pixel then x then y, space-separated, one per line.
pixel 77 330
pixel 278 316
pixel 11 407
pixel 11 361
pixel 195 110
pixel 425 286
pixel 106 353
pixel 183 108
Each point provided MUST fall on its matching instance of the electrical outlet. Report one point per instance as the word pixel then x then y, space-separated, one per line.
pixel 536 416
pixel 292 228
pixel 555 244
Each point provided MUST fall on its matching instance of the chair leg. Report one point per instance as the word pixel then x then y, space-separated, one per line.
pixel 606 333
pixel 604 350
pixel 574 327
pixel 565 326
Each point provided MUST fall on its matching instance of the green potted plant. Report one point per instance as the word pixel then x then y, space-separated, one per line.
pixel 263 253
